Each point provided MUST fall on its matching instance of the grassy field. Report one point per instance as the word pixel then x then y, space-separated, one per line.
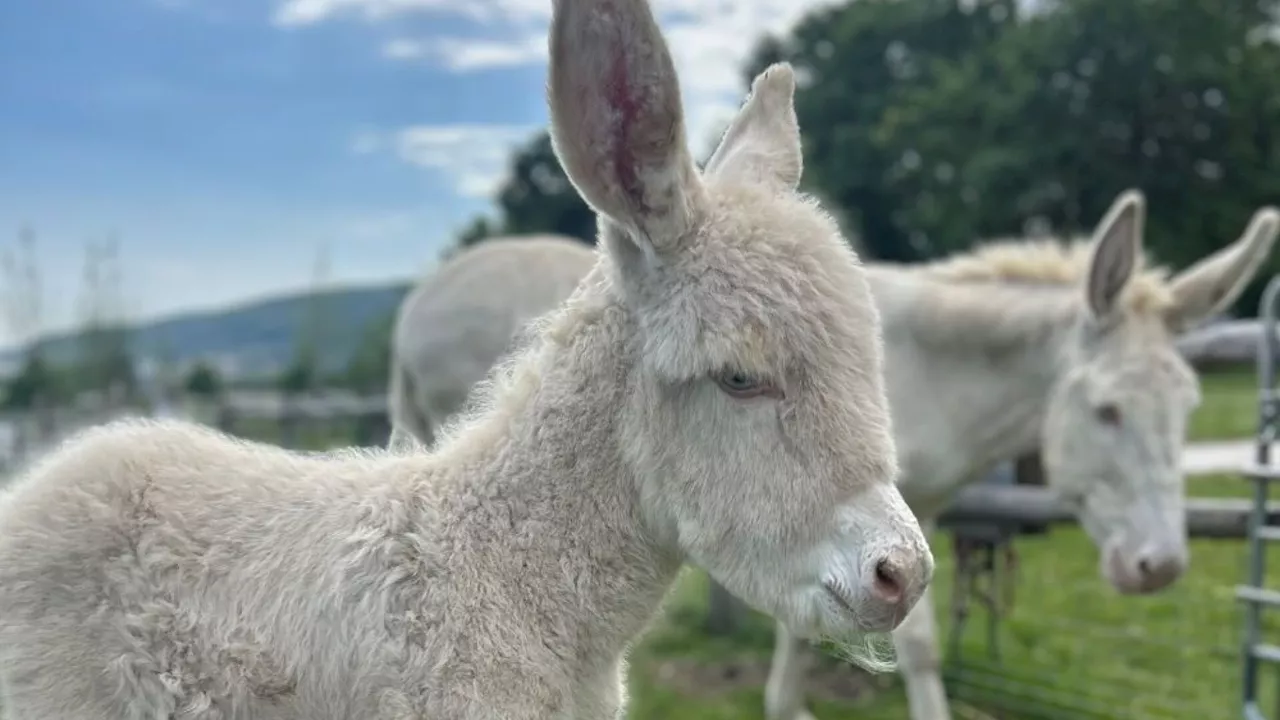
pixel 1070 647
pixel 1229 409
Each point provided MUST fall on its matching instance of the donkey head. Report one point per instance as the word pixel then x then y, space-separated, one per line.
pixel 756 424
pixel 1118 414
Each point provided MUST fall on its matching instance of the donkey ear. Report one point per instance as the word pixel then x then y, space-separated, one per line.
pixel 762 143
pixel 617 123
pixel 1215 282
pixel 1117 245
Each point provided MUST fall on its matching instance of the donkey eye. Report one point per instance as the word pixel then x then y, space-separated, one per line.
pixel 737 381
pixel 742 385
pixel 1108 414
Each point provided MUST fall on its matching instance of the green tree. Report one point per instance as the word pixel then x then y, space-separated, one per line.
pixel 303 372
pixel 854 61
pixel 36 382
pixel 538 197
pixel 1068 108
pixel 299 377
pixel 480 228
pixel 105 358
pixel 367 372
pixel 203 381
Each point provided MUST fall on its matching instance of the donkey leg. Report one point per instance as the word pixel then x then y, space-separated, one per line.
pixel 784 692
pixel 409 426
pixel 916 642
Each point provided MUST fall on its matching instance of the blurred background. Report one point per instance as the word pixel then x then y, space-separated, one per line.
pixel 214 207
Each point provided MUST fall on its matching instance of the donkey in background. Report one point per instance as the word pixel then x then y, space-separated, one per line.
pixel 467 313
pixel 1067 348
pixel 711 393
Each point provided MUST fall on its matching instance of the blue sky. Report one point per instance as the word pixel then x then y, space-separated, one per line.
pixel 223 141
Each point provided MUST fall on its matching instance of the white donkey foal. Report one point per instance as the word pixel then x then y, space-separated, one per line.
pixel 713 393
pixel 1066 348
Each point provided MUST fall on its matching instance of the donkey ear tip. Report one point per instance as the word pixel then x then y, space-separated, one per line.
pixel 1132 198
pixel 1264 227
pixel 782 68
pixel 778 77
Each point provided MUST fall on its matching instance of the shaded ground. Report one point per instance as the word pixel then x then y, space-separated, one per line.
pixel 830 682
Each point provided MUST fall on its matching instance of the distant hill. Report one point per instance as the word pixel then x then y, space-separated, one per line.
pixel 255 338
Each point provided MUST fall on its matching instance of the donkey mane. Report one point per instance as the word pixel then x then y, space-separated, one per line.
pixel 1048 261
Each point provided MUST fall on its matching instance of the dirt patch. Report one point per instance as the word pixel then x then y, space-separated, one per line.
pixel 831 681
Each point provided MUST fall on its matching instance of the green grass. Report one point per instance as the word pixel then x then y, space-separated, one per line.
pixel 679 671
pixel 1229 409
pixel 1070 648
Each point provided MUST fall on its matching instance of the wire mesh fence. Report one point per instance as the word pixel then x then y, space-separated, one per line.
pixel 1069 647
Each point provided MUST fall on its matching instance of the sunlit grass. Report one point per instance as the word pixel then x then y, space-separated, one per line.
pixel 1229 407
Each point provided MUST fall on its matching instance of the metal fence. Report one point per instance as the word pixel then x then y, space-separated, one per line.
pixel 1257 597
pixel 1054 641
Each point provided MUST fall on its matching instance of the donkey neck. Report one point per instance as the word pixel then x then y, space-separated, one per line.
pixel 543 494
pixel 969 369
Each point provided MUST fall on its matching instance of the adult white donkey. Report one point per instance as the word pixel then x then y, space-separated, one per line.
pixel 453 327
pixel 712 392
pixel 1063 347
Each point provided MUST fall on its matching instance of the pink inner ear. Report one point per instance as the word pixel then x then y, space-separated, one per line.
pixel 622 100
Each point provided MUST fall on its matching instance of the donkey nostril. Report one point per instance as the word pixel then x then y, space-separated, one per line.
pixel 1157 571
pixel 888 584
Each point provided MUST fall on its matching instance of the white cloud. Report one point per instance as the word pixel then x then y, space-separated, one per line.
pixel 366 141
pixel 378 225
pixel 475 157
pixel 402 49
pixel 465 54
pixel 310 12
pixel 710 40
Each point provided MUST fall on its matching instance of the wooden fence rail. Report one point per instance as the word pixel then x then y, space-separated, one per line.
pixel 1015 505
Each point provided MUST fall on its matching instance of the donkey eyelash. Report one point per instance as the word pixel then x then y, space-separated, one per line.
pixel 744 384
